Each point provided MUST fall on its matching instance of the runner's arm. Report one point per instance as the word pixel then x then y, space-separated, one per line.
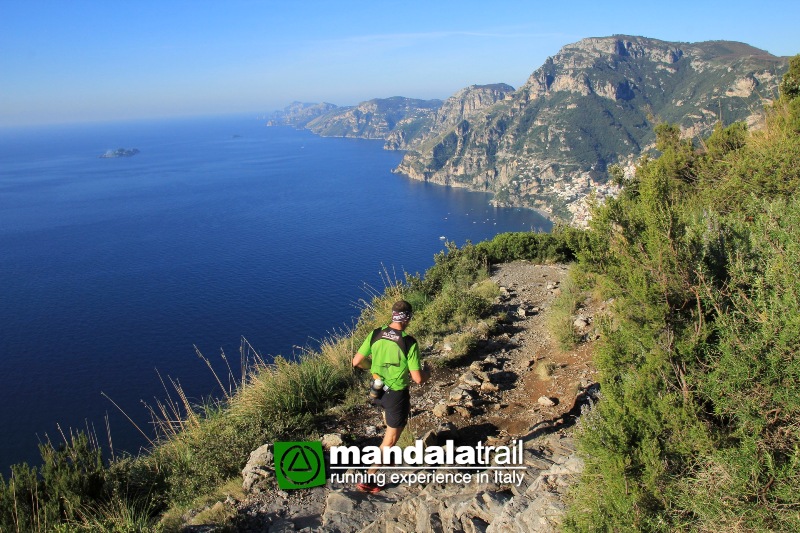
pixel 420 376
pixel 361 361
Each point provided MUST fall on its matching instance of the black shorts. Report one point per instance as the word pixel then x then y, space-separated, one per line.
pixel 397 406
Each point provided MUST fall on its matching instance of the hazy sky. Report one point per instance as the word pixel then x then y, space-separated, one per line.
pixel 70 61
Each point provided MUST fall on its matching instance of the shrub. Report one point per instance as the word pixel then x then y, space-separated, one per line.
pixel 561 318
pixel 699 370
pixel 38 499
pixel 537 247
pixel 460 267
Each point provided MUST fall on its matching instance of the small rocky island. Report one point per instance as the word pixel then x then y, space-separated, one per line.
pixel 119 152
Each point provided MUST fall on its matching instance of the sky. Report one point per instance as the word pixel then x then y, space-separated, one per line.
pixel 87 61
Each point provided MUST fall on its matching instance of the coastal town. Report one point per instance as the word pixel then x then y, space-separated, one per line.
pixel 582 198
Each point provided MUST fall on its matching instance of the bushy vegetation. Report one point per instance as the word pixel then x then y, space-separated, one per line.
pixel 451 297
pixel 42 498
pixel 561 318
pixel 698 425
pixel 558 246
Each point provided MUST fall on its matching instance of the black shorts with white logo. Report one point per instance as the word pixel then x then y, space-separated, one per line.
pixel 397 406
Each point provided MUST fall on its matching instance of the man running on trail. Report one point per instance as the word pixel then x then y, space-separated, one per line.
pixel 392 355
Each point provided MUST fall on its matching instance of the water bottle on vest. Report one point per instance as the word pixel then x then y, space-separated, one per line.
pixel 377 389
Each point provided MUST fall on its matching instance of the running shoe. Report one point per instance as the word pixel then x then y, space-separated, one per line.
pixel 370 488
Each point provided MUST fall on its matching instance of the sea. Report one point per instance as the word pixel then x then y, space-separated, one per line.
pixel 115 273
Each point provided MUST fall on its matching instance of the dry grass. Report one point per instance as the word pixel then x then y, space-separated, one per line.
pixel 118 514
pixel 544 369
pixel 562 313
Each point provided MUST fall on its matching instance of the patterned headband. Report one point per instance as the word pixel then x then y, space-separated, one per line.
pixel 401 317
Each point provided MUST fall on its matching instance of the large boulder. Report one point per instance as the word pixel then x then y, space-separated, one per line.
pixel 260 467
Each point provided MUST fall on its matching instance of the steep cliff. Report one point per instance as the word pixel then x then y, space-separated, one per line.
pixel 464 104
pixel 548 145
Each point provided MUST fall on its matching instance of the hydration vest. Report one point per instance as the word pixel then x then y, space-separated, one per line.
pixel 404 342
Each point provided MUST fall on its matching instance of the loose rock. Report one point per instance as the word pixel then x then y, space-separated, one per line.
pixel 463 411
pixel 458 394
pixel 544 401
pixel 488 386
pixel 259 468
pixel 580 323
pixel 331 439
pixel 441 410
pixel 470 379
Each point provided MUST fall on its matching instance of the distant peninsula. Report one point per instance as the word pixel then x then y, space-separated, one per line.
pixel 119 152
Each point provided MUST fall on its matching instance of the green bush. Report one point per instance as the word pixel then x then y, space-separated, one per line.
pixel 697 427
pixel 38 499
pixel 556 247
pixel 752 382
pixel 561 318
pixel 450 311
pixel 460 267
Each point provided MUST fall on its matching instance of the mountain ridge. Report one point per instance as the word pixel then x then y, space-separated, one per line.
pixel 548 144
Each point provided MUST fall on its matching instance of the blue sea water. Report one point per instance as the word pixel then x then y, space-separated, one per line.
pixel 112 270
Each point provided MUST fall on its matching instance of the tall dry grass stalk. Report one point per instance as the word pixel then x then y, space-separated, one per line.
pixel 294 387
pixel 118 514
pixel 175 413
pixel 376 308
pixel 561 315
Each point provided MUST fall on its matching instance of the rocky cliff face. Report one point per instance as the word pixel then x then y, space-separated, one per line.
pixel 463 105
pixel 548 145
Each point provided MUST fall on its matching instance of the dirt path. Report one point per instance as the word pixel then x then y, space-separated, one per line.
pixel 517 384
pixel 530 364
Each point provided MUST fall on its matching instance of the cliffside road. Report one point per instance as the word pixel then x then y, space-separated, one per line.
pixel 518 386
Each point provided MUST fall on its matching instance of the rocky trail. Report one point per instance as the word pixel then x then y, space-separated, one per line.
pixel 518 385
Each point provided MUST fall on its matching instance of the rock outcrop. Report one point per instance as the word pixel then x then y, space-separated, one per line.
pixel 119 152
pixel 463 105
pixel 298 114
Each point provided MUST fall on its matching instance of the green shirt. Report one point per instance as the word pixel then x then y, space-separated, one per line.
pixel 388 360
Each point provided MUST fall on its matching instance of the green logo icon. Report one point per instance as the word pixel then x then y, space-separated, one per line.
pixel 299 465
